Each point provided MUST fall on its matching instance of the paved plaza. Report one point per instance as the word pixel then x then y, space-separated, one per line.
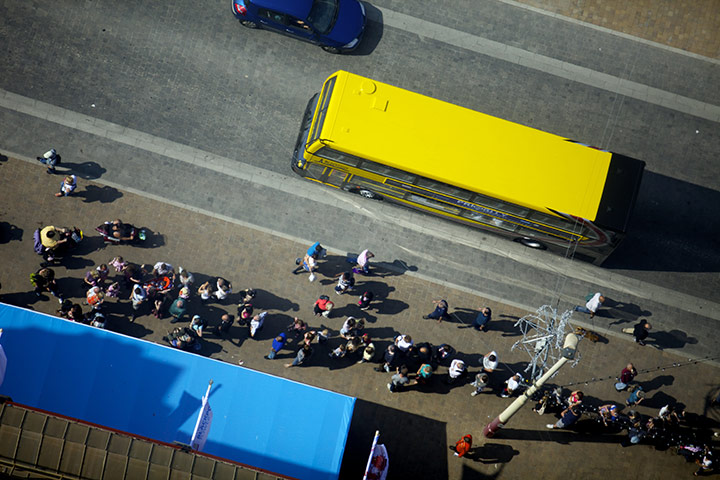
pixel 417 426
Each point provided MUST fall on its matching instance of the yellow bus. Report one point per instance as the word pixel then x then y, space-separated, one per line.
pixel 542 190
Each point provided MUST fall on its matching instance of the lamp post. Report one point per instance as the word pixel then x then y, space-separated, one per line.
pixel 568 353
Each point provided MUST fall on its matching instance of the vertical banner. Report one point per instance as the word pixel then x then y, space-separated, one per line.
pixel 3 361
pixel 378 463
pixel 202 426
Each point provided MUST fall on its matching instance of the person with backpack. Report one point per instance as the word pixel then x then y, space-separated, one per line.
pixel 50 158
pixel 44 281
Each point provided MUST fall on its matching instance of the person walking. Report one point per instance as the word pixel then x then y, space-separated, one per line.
pixel 636 396
pixel 626 376
pixel 481 381
pixel 44 281
pixel 67 186
pixel 569 416
pixel 323 306
pixel 50 159
pixel 483 318
pixel 277 345
pixel 440 312
pixel 137 297
pixel 302 355
pixel 641 332
pixel 490 361
pixel 365 299
pixel 593 303
pixel 361 262
pixel 463 446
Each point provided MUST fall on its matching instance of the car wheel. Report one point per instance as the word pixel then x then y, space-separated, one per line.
pixel 249 24
pixel 330 49
pixel 530 242
pixel 368 194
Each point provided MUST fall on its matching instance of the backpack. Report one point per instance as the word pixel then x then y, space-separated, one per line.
pixel 37 243
pixel 35 279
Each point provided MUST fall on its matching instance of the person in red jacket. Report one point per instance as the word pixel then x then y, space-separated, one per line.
pixel 463 445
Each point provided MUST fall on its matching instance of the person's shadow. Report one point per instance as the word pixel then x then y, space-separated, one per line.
pixel 490 453
pixel 672 339
pixel 10 232
pixel 93 193
pixel 86 170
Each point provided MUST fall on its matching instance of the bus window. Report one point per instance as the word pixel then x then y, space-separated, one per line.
pixel 340 157
pixel 314 171
pixel 387 171
pixel 336 177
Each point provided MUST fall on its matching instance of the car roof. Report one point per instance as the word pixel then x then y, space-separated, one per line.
pixel 297 8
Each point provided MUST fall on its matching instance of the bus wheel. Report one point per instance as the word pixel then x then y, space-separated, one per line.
pixel 532 243
pixel 367 194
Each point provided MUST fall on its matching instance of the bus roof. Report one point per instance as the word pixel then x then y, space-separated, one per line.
pixel 462 147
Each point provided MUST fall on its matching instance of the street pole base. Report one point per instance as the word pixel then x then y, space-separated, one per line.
pixel 492 428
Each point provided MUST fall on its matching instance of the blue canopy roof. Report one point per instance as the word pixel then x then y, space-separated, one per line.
pixel 155 391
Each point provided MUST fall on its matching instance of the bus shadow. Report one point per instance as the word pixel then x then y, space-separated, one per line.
pixel 661 238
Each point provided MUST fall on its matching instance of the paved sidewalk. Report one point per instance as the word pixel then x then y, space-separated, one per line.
pixel 691 25
pixel 416 426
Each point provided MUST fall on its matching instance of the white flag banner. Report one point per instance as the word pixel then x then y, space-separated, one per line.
pixel 202 426
pixel 3 362
pixel 379 463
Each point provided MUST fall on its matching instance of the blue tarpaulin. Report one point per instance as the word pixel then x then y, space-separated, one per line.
pixel 155 391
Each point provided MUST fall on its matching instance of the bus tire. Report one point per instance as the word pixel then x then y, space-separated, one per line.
pixel 531 243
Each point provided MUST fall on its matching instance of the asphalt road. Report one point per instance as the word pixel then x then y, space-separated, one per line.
pixel 182 103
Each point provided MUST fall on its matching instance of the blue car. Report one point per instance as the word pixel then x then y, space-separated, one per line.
pixel 335 25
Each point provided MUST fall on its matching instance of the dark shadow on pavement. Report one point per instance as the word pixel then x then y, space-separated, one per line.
pixel 656 383
pixel 93 193
pixel 10 232
pixel 689 245
pixel 152 240
pixel 672 339
pixel 427 441
pixel 269 301
pixel 659 400
pixel 621 312
pixel 20 299
pixel 86 170
pixel 490 453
